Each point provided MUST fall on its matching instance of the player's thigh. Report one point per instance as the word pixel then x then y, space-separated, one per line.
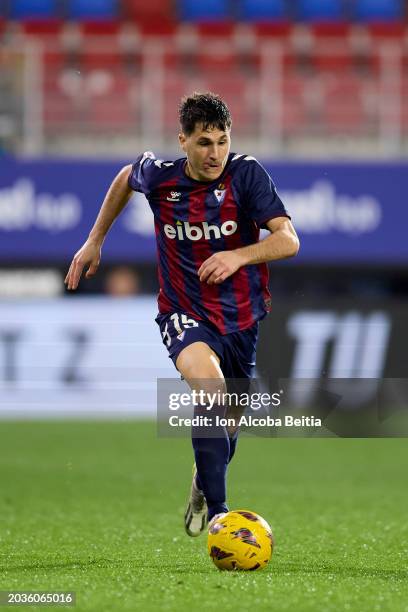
pixel 200 366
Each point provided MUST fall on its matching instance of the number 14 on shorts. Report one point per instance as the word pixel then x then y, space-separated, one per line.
pixel 180 322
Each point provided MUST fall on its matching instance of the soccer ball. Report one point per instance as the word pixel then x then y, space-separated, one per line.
pixel 240 540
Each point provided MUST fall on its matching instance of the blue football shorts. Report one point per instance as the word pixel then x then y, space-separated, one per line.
pixel 236 350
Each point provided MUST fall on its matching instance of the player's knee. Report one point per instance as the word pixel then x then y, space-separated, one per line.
pixel 212 388
pixel 198 361
pixel 199 365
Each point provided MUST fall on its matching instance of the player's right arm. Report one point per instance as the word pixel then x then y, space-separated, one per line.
pixel 90 253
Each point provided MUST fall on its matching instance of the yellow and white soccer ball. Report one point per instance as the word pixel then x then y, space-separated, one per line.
pixel 240 540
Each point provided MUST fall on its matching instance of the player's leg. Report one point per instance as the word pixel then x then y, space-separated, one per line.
pixel 199 365
pixel 238 367
pixel 234 411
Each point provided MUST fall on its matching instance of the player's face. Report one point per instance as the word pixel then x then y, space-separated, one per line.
pixel 207 152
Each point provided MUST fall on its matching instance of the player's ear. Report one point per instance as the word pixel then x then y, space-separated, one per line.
pixel 182 141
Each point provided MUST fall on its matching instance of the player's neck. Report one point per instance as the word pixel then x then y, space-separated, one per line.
pixel 190 172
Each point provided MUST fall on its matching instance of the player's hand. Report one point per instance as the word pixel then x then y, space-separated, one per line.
pixel 88 255
pixel 220 266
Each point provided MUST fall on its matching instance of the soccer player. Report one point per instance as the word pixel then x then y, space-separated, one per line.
pixel 208 209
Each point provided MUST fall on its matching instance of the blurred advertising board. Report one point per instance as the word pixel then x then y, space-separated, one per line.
pixel 335 338
pixel 344 361
pixel 101 357
pixel 80 357
pixel 344 212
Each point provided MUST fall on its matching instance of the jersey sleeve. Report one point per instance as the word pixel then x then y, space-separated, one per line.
pixel 262 201
pixel 142 175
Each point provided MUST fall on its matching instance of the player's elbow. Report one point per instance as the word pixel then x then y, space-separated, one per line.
pixel 122 181
pixel 126 170
pixel 293 246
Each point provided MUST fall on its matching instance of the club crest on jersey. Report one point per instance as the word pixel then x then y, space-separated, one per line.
pixel 183 230
pixel 220 193
pixel 174 196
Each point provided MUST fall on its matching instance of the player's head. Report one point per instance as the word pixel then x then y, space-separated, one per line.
pixel 205 135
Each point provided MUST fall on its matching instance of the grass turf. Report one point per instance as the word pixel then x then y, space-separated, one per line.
pixel 97 508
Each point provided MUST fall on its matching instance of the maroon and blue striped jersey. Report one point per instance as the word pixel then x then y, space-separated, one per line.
pixel 195 219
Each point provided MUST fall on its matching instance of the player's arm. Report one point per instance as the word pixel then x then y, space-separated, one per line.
pixel 280 244
pixel 90 253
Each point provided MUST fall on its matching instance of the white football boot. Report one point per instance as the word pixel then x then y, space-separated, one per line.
pixel 195 517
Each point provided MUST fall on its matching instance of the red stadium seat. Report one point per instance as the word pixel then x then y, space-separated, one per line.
pixel 344 109
pixel 59 114
pixel 60 110
pixel 237 91
pixel 250 38
pixel 379 36
pixel 157 28
pixel 273 30
pixel 387 32
pixel 290 60
pixel 217 44
pixel 378 58
pixel 113 109
pixel 331 46
pixel 217 58
pixel 332 57
pixel 215 29
pixel 54 60
pixel 49 28
pixel 288 39
pixel 91 101
pixel 49 33
pixel 232 85
pixel 99 27
pixel 392 108
pixel 404 106
pixel 151 10
pixel 174 88
pixel 100 58
pixel 294 108
pixel 330 30
pixel 172 60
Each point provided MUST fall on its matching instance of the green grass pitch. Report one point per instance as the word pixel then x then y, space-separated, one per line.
pixel 97 508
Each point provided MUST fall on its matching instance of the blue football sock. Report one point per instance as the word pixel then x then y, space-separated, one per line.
pixel 233 445
pixel 211 456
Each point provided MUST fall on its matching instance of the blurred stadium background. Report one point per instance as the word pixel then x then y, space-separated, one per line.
pixel 318 90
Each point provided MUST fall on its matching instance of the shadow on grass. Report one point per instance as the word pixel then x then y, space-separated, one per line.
pixel 341 571
pixel 100 563
pixel 281 569
pixel 54 565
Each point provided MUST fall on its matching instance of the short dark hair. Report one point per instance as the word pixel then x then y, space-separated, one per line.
pixel 206 108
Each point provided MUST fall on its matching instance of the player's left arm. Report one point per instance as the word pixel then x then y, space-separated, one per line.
pixel 282 243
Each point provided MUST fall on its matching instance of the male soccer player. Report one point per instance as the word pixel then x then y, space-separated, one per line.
pixel 208 209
